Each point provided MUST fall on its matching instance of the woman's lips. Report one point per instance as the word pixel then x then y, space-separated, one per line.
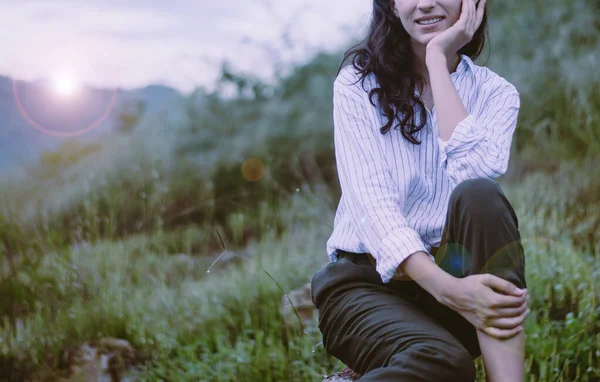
pixel 431 25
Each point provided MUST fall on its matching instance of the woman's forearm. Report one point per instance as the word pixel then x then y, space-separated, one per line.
pixel 504 360
pixel 428 275
pixel 448 105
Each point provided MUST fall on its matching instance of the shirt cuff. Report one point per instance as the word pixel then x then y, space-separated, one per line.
pixel 465 136
pixel 396 248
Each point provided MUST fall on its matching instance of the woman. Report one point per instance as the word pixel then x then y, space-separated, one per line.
pixel 427 266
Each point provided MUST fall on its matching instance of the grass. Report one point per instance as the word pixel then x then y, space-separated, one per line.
pixel 173 311
pixel 226 325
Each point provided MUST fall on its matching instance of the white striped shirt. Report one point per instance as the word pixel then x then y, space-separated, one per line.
pixel 395 194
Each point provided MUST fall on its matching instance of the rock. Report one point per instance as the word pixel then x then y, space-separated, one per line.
pixel 346 375
pixel 101 360
pixel 301 300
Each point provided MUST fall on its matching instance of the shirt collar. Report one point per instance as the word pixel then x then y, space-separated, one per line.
pixel 463 66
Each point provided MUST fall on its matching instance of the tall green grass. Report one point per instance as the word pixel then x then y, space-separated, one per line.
pixel 226 325
pixel 549 50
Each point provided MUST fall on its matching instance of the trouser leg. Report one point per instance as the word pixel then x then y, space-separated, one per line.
pixel 380 330
pixel 481 234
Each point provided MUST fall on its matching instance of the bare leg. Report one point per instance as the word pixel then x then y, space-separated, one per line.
pixel 504 360
pixel 482 236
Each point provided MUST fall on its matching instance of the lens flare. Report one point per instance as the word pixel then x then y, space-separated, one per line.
pixel 64 86
pixel 253 170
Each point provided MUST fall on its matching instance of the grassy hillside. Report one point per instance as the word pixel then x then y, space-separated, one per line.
pixel 226 325
pixel 114 238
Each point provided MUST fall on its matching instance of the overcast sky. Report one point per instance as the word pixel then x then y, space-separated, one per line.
pixel 180 43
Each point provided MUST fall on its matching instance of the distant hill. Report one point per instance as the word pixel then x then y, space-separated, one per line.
pixel 29 110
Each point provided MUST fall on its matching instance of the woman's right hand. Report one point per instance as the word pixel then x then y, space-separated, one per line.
pixel 491 304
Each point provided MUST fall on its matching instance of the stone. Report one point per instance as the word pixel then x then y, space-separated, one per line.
pixel 302 302
pixel 101 360
pixel 346 375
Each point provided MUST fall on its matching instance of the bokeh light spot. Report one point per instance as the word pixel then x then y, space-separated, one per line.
pixel 253 170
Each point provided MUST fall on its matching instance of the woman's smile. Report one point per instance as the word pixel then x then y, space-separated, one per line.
pixel 430 20
pixel 429 23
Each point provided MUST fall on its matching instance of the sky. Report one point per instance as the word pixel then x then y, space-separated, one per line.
pixel 178 43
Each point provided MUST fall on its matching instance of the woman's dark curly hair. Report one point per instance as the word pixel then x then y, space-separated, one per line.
pixel 386 51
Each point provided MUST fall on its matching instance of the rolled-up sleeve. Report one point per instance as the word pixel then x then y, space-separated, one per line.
pixel 480 144
pixel 375 202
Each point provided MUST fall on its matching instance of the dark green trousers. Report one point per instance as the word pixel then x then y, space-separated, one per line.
pixel 397 331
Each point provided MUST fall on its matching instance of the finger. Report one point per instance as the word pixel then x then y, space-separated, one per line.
pixel 471 12
pixel 498 301
pixel 480 12
pixel 502 333
pixel 464 12
pixel 508 323
pixel 502 285
pixel 468 9
pixel 473 16
pixel 507 312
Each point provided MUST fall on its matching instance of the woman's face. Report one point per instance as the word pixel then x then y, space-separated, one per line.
pixel 421 18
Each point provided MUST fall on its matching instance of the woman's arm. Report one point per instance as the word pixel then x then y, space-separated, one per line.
pixel 448 105
pixel 375 202
pixel 472 146
pixel 436 281
pixel 475 297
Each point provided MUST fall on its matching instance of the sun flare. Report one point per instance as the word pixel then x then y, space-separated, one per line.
pixel 65 85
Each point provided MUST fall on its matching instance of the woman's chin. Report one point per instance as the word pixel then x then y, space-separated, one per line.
pixel 423 40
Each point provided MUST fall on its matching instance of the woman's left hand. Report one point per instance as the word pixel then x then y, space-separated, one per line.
pixel 458 35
